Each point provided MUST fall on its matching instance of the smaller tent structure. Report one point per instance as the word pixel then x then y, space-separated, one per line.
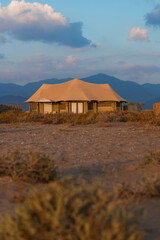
pixel 75 96
pixel 156 108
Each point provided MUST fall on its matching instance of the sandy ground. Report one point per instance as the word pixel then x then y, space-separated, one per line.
pixel 109 152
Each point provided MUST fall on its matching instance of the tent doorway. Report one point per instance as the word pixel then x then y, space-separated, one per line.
pixel 77 107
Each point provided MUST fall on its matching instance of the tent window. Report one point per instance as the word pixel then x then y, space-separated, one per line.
pixel 118 104
pixel 63 107
pixel 34 107
pixel 90 106
pixel 54 107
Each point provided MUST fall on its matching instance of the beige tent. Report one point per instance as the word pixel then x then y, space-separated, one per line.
pixel 75 96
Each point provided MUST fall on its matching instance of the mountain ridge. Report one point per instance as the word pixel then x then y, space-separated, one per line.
pixel 129 90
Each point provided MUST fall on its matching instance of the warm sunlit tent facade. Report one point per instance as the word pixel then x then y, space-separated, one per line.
pixel 75 96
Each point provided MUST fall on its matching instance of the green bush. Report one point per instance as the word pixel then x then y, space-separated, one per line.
pixel 63 212
pixel 29 166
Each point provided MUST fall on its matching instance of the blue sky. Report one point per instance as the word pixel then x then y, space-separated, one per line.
pixel 60 39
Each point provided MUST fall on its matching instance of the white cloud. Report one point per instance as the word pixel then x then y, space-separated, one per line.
pixel 39 22
pixel 137 33
pixel 72 60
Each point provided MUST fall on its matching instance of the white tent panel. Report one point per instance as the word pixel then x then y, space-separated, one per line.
pixel 74 107
pixel 47 107
pixel 80 107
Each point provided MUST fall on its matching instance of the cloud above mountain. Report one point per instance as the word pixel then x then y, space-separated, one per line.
pixel 39 22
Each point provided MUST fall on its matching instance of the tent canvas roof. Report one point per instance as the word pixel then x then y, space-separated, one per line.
pixel 75 90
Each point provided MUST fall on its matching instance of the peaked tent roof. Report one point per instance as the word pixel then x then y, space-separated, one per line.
pixel 75 90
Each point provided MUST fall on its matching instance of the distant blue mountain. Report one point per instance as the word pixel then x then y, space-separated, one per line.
pixel 129 90
pixel 14 100
pixel 149 104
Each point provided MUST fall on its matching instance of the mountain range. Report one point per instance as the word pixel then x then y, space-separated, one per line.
pixel 131 91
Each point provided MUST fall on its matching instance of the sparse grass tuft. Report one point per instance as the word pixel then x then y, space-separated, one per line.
pixel 151 187
pixel 70 211
pixel 9 116
pixel 152 157
pixel 29 166
pixel 124 191
pixel 6 108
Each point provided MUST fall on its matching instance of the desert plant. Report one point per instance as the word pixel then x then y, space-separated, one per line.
pixel 30 117
pixel 18 116
pixel 31 166
pixel 9 116
pixel 151 157
pixel 124 191
pixel 151 187
pixel 110 117
pixel 5 108
pixel 71 212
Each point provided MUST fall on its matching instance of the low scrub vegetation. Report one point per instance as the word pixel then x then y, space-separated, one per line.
pixel 5 108
pixel 66 210
pixel 149 187
pixel 29 166
pixel 124 191
pixel 76 119
pixel 152 157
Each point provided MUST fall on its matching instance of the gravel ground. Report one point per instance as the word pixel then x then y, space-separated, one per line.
pixel 110 152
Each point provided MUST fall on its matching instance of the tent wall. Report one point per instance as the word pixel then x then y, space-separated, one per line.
pixel 47 107
pixel 54 107
pixel 156 108
pixel 63 107
pixel 41 108
pixel 33 107
pixel 76 107
pixel 106 106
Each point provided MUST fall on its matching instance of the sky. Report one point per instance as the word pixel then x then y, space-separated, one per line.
pixel 70 38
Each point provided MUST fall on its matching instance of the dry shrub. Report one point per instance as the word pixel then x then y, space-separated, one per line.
pixel 156 120
pixel 30 166
pixel 19 197
pixel 5 108
pixel 151 187
pixel 79 119
pixel 124 191
pixel 9 117
pixel 70 212
pixel 48 118
pixel 30 117
pixel 152 157
pixel 145 116
pixel 110 117
pixel 70 118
